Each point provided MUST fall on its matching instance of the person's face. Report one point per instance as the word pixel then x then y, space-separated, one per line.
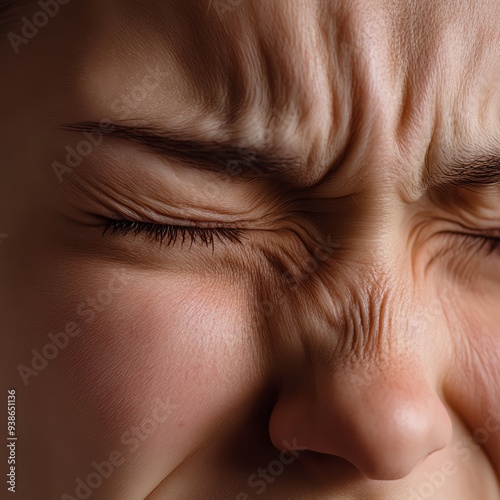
pixel 333 289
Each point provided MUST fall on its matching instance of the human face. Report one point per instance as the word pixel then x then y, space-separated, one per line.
pixel 332 331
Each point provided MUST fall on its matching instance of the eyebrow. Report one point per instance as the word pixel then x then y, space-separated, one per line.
pixel 467 170
pixel 224 158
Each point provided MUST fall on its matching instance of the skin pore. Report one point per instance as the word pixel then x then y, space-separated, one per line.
pixel 350 150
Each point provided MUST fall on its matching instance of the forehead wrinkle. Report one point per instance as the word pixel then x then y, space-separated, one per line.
pixel 444 96
pixel 266 71
pixel 304 98
pixel 468 121
pixel 217 57
pixel 282 76
pixel 417 88
pixel 309 65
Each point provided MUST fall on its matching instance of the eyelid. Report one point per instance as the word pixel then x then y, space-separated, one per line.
pixel 152 217
pixel 492 243
pixel 487 231
pixel 489 240
pixel 170 233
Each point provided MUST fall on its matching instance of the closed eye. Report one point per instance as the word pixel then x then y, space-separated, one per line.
pixel 486 243
pixel 169 235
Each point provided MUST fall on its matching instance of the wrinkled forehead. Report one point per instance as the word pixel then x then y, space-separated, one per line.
pixel 236 64
pixel 301 76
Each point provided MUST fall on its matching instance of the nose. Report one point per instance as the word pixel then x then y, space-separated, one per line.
pixel 384 422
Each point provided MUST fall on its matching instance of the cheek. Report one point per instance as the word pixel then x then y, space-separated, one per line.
pixel 163 355
pixel 473 381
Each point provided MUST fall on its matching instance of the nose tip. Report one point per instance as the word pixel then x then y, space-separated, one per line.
pixel 383 430
pixel 390 447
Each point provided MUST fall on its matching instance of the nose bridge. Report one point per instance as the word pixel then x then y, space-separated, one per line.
pixel 366 317
pixel 380 324
pixel 371 312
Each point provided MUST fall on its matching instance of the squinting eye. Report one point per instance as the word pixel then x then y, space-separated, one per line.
pixel 488 244
pixel 171 234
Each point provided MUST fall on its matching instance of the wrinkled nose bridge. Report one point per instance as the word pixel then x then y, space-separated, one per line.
pixel 369 316
pixel 355 309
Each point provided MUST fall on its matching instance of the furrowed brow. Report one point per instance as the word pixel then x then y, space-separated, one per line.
pixel 225 158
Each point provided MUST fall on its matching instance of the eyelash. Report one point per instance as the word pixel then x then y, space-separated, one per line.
pixel 170 234
pixel 490 244
pixel 166 234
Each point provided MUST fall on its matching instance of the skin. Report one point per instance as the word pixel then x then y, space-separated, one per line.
pixel 349 328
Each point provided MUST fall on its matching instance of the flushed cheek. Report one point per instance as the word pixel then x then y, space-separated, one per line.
pixel 157 367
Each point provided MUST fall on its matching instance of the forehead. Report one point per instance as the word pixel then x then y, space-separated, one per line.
pixel 306 78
